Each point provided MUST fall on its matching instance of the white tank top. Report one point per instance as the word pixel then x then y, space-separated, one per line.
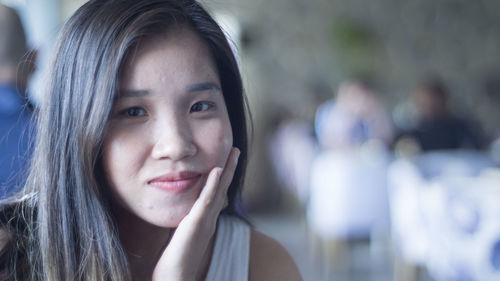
pixel 230 258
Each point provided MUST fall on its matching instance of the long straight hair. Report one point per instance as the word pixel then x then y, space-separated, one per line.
pixel 61 225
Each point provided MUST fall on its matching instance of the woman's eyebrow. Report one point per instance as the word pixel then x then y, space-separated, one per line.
pixel 204 86
pixel 132 93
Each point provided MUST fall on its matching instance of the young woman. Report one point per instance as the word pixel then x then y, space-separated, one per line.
pixel 140 156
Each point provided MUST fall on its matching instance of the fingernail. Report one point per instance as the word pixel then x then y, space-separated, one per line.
pixel 216 173
pixel 238 152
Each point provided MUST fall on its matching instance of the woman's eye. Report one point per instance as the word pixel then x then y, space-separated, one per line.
pixel 201 106
pixel 134 112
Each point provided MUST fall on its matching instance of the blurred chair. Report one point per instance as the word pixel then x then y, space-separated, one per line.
pixel 405 188
pixel 442 215
pixel 465 228
pixel 348 193
pixel 348 199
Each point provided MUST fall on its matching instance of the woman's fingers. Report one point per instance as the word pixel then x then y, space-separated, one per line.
pixel 225 180
pixel 182 257
pixel 209 191
pixel 229 169
pixel 214 195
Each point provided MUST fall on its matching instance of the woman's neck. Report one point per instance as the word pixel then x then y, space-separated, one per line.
pixel 144 243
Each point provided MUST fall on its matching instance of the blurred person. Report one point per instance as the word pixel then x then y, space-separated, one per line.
pixel 433 126
pixel 354 117
pixel 347 196
pixel 16 66
pixel 292 148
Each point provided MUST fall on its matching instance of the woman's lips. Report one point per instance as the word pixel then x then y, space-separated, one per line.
pixel 176 183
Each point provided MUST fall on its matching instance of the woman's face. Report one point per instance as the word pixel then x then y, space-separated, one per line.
pixel 169 127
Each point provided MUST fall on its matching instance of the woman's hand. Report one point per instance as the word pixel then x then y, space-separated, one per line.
pixel 182 258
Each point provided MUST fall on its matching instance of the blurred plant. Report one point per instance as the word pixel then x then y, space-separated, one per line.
pixel 355 47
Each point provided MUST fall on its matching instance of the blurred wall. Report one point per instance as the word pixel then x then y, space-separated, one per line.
pixel 289 45
pixel 292 43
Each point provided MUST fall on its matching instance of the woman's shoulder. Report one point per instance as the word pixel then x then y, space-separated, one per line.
pixel 269 260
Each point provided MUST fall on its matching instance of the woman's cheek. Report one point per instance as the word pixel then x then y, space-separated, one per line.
pixel 226 144
pixel 222 142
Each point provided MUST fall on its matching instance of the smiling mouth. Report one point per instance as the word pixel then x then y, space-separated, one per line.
pixel 177 183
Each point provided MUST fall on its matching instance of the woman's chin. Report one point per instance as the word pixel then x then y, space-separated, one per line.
pixel 169 218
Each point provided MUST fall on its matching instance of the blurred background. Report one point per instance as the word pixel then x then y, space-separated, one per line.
pixel 376 146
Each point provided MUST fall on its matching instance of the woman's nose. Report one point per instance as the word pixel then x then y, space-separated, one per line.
pixel 173 141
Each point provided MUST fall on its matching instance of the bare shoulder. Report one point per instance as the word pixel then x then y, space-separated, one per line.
pixel 270 261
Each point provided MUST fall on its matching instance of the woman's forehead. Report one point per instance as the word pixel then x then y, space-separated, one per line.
pixel 176 61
